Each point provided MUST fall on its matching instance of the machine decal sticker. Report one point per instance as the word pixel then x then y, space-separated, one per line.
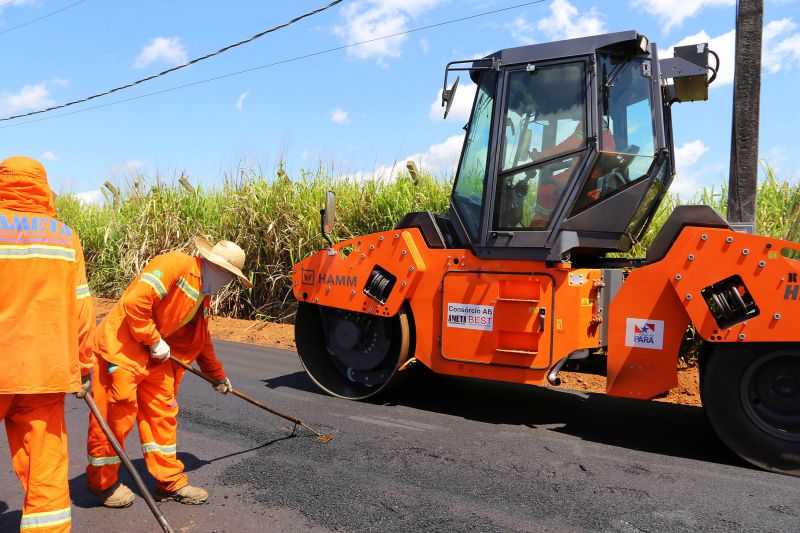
pixel 792 292
pixel 792 288
pixel 644 333
pixel 308 277
pixel 341 281
pixel 468 316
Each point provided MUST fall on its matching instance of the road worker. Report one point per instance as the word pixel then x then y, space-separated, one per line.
pixel 47 329
pixel 163 312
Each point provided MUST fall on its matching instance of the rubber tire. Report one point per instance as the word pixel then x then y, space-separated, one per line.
pixel 722 375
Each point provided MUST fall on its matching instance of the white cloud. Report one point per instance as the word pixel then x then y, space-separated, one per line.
pixel 18 3
pixel 521 30
pixel 169 50
pixel 673 12
pixel 424 45
pixel 340 116
pixel 462 105
pixel 442 157
pixel 240 101
pixel 369 19
pixel 686 183
pixel 566 22
pixel 29 97
pixel 781 46
pixel 438 159
pixel 688 154
pixel 131 167
pixel 49 156
pixel 90 197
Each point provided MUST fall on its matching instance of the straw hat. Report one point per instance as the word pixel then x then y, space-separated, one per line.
pixel 225 254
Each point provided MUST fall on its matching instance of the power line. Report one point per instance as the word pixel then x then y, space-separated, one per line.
pixel 9 30
pixel 281 62
pixel 173 69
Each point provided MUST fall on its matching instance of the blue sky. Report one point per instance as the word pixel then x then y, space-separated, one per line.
pixel 358 111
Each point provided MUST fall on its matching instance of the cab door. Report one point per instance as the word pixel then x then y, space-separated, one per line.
pixel 498 318
pixel 542 147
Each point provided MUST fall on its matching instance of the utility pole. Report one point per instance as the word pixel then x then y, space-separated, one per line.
pixel 746 101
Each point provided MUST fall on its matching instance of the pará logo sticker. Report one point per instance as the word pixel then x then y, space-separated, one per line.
pixel 644 333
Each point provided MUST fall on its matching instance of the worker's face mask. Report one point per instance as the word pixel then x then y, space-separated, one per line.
pixel 213 278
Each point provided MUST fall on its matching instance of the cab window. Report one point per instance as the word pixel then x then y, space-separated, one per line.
pixel 543 143
pixel 471 176
pixel 627 137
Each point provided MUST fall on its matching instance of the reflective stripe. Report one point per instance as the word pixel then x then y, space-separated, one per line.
pixel 45 519
pixel 13 251
pixel 82 291
pixel 152 447
pixel 154 282
pixel 102 461
pixel 190 291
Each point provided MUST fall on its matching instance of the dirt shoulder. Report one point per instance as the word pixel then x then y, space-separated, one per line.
pixel 282 336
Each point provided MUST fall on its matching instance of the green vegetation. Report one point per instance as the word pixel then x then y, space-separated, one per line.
pixel 276 221
pixel 777 211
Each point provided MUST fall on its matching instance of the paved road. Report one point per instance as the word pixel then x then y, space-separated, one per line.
pixel 441 455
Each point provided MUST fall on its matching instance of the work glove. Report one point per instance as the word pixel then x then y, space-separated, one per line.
pixel 86 386
pixel 160 350
pixel 224 386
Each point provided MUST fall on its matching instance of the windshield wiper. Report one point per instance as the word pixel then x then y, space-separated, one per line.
pixel 616 71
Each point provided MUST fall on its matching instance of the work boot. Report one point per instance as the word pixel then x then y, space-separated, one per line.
pixel 116 496
pixel 186 494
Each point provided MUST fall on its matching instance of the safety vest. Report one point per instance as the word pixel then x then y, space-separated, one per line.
pixel 46 314
pixel 164 301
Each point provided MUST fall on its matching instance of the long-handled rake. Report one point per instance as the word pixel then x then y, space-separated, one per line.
pixel 321 437
pixel 151 503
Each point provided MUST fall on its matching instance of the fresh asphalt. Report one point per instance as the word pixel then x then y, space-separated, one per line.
pixel 441 454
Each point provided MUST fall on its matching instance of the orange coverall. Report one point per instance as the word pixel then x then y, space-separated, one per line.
pixel 46 334
pixel 129 385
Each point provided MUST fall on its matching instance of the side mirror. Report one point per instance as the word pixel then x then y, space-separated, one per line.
pixel 448 96
pixel 328 213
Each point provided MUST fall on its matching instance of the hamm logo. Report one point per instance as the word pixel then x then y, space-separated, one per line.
pixel 340 281
pixel 644 333
pixel 308 277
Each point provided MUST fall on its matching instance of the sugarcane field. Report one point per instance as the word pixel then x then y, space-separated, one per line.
pixel 371 265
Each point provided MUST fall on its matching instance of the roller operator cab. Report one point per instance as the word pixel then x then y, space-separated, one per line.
pixel 566 158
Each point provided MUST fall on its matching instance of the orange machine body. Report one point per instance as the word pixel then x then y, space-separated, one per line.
pixel 512 320
pixel 670 294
